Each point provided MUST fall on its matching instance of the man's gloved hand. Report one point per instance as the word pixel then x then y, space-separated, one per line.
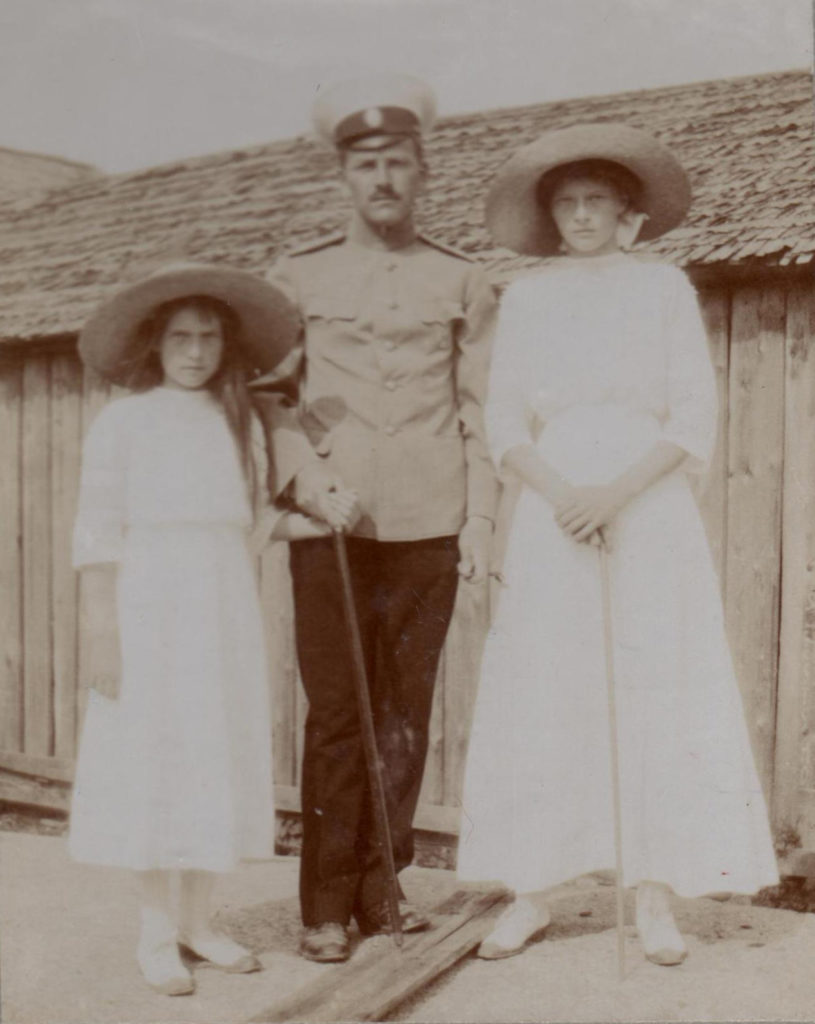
pixel 475 549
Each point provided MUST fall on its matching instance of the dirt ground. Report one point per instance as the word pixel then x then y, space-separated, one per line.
pixel 745 963
pixel 68 933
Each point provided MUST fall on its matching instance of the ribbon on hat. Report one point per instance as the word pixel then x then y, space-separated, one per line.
pixel 629 228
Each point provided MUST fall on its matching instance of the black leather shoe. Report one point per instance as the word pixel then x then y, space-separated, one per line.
pixel 375 920
pixel 326 943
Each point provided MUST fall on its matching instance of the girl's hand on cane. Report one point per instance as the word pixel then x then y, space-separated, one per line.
pixel 273 525
pixel 582 511
pixel 320 493
pixel 297 526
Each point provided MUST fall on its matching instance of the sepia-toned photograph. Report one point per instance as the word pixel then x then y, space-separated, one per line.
pixel 407 511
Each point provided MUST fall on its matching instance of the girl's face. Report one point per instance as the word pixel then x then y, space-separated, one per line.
pixel 587 213
pixel 190 349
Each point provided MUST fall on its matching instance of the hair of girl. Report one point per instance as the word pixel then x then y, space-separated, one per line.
pixel 228 384
pixel 624 182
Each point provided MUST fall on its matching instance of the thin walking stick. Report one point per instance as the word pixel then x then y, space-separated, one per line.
pixel 608 638
pixel 366 722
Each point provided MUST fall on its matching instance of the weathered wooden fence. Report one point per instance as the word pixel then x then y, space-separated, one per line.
pixel 758 502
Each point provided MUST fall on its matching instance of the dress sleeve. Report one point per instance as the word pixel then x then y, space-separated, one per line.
pixel 508 417
pixel 100 520
pixel 692 399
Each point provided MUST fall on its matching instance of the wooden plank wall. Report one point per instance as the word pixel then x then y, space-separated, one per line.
pixel 758 502
pixel 794 782
pixel 11 578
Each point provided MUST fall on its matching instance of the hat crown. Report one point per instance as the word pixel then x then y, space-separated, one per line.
pixel 374 104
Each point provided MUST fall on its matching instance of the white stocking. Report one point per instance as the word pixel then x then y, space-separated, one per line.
pixel 196 931
pixel 157 951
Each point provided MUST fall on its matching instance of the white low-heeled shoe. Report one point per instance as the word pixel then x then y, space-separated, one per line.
pixel 222 952
pixel 518 926
pixel 661 940
pixel 163 970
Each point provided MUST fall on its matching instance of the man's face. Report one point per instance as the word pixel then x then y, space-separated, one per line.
pixel 384 183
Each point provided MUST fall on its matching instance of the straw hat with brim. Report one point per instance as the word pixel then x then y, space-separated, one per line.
pixel 110 342
pixel 515 217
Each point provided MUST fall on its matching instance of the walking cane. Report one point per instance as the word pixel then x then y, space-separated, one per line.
pixel 608 638
pixel 366 722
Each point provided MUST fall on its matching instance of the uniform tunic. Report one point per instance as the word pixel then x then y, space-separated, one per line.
pixel 175 773
pixel 392 375
pixel 597 360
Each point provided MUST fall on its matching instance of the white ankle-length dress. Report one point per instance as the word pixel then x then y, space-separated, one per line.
pixel 175 773
pixel 595 361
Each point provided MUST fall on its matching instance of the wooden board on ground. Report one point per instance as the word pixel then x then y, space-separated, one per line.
pixel 380 976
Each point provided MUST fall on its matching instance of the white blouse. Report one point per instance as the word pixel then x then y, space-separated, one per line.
pixel 609 330
pixel 164 456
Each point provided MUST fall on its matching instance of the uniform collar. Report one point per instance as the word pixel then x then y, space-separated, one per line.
pixel 359 233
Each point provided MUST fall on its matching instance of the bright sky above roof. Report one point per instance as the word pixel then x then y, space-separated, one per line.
pixel 125 84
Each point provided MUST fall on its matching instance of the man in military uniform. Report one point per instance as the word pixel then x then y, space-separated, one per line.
pixel 391 380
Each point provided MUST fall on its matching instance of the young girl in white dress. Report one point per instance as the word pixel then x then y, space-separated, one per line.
pixel 601 403
pixel 174 769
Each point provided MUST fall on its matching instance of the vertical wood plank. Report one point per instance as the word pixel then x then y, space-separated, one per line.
pixel 711 490
pixel 755 443
pixel 37 639
pixel 66 415
pixel 95 395
pixel 794 789
pixel 278 619
pixel 432 791
pixel 11 577
pixel 465 644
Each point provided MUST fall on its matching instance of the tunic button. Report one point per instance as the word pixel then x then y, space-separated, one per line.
pixel 390 385
pixel 391 265
pixel 390 345
pixel 393 305
pixel 390 430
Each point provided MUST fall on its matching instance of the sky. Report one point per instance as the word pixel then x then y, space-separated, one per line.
pixel 126 84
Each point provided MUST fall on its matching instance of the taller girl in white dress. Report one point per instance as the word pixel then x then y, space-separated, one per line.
pixel 174 770
pixel 602 401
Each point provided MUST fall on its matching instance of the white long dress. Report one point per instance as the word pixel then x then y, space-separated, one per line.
pixel 595 361
pixel 175 773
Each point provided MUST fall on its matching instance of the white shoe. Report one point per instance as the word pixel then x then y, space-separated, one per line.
pixel 221 952
pixel 163 970
pixel 520 924
pixel 661 939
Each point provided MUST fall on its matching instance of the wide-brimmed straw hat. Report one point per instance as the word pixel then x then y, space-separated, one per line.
pixel 515 217
pixel 111 342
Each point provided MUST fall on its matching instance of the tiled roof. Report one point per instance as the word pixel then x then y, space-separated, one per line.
pixel 24 177
pixel 747 144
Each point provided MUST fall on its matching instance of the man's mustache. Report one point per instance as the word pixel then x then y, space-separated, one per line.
pixel 385 193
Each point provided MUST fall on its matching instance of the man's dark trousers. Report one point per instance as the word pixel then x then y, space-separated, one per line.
pixel 404 593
